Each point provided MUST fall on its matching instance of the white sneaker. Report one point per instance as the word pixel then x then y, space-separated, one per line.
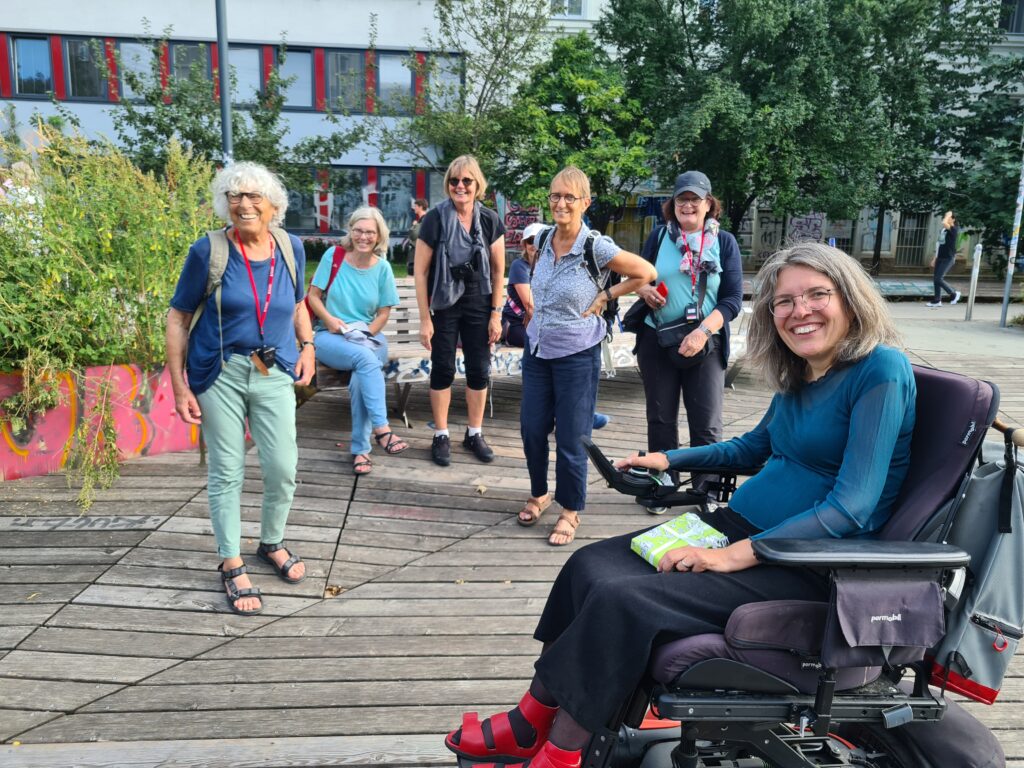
pixel 956 298
pixel 933 304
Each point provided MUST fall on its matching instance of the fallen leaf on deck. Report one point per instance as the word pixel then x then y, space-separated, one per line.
pixel 33 596
pixel 481 489
pixel 332 590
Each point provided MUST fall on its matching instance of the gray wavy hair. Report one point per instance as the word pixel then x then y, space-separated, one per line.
pixel 245 176
pixel 383 233
pixel 870 322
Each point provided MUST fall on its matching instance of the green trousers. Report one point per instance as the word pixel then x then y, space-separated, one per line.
pixel 242 394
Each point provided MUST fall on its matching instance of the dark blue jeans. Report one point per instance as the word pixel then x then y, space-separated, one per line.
pixel 559 394
pixel 942 266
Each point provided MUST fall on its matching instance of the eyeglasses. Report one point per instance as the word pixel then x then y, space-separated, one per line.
pixel 465 180
pixel 236 197
pixel 682 202
pixel 362 233
pixel 813 298
pixel 554 197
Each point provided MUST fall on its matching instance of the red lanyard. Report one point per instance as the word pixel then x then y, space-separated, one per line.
pixel 261 317
pixel 700 256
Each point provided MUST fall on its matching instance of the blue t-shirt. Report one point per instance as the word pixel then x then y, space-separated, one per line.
pixel 356 294
pixel 518 274
pixel 241 331
pixel 681 291
pixel 836 452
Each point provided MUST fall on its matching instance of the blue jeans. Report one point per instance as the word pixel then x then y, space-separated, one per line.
pixel 366 389
pixel 559 394
pixel 942 266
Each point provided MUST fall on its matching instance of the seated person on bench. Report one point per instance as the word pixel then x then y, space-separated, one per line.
pixel 836 442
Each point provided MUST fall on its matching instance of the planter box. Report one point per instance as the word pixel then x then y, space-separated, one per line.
pixel 143 410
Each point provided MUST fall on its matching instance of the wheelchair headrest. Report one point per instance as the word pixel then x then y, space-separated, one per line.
pixel 953 413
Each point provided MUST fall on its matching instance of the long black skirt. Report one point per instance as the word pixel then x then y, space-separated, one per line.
pixel 608 608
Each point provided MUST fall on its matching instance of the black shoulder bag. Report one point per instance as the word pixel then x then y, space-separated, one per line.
pixel 671 334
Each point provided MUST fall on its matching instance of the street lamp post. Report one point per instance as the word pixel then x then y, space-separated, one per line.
pixel 225 82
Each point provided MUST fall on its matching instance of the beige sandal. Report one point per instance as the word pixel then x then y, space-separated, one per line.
pixel 565 526
pixel 534 507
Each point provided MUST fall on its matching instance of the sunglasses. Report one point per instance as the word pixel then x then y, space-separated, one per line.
pixel 466 182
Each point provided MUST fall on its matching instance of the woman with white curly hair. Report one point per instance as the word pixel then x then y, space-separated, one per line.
pixel 248 341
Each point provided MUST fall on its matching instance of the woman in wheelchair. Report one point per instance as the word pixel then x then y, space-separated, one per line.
pixel 835 444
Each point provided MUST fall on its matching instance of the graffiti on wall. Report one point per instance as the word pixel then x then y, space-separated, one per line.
pixel 143 411
pixel 517 218
pixel 807 227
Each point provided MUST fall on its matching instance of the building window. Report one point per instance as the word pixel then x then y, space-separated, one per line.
pixel 245 64
pixel 301 213
pixel 345 80
pixel 298 92
pixel 1012 20
pixel 134 58
pixel 85 72
pixel 33 75
pixel 346 186
pixel 394 84
pixel 396 190
pixel 572 8
pixel 444 84
pixel 185 56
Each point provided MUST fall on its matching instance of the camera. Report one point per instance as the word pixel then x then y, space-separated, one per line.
pixel 268 355
pixel 462 272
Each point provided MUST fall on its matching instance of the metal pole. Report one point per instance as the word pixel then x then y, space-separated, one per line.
pixel 973 291
pixel 225 82
pixel 1011 261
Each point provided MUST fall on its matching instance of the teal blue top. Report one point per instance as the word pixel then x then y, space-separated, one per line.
pixel 835 452
pixel 681 291
pixel 356 294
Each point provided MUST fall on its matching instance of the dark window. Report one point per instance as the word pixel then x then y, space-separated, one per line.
pixel 33 74
pixel 346 83
pixel 302 208
pixel 394 84
pixel 567 8
pixel 85 70
pixel 346 187
pixel 1013 17
pixel 444 84
pixel 246 64
pixel 133 58
pixel 299 92
pixel 396 191
pixel 185 56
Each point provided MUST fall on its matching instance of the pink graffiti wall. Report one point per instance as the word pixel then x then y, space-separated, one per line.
pixel 143 410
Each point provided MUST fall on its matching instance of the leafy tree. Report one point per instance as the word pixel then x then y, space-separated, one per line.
pixel 764 97
pixel 574 109
pixel 481 47
pixel 185 109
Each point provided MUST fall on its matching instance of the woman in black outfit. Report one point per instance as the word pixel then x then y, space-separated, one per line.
pixel 459 275
pixel 944 259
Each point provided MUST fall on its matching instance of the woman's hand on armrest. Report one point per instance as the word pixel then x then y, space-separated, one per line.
pixel 657 461
pixel 736 557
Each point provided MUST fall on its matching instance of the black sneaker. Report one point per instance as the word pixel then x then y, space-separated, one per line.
pixel 441 450
pixel 480 449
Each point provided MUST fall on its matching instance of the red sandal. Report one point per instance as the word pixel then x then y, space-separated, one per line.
pixel 506 749
pixel 549 756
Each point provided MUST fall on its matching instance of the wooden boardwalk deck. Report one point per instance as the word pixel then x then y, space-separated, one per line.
pixel 117 647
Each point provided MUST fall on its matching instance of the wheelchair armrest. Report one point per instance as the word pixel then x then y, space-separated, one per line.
pixel 742 471
pixel 859 553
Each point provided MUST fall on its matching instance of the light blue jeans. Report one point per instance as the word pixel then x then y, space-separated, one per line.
pixel 366 389
pixel 242 395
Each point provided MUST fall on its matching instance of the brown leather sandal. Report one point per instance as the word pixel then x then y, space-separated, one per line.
pixel 534 507
pixel 566 525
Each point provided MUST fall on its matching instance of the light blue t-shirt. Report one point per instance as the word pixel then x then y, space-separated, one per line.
pixel 356 294
pixel 681 291
pixel 836 452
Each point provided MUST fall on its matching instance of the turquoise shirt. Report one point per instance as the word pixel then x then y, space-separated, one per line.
pixel 356 294
pixel 681 291
pixel 836 452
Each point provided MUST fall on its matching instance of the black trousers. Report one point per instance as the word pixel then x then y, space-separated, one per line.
pixel 466 320
pixel 608 608
pixel 702 388
pixel 942 266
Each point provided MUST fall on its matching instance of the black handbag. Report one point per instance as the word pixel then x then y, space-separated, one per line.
pixel 671 334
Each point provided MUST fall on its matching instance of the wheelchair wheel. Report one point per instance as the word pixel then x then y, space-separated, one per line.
pixel 882 748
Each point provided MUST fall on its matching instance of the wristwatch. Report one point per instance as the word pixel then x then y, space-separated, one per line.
pixel 608 293
pixel 304 344
pixel 706 330
pixel 495 309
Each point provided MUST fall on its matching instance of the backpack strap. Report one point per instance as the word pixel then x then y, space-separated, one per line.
pixel 337 256
pixel 542 241
pixel 214 276
pixel 284 242
pixel 590 261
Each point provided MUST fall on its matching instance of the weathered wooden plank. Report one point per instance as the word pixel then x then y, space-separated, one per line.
pixel 13 722
pixel 207 562
pixel 51 695
pixel 347 669
pixel 26 615
pixel 395 646
pixel 497 591
pixel 61 555
pixel 12 636
pixel 162 645
pixel 250 530
pixel 81 666
pixel 31 574
pixel 100 508
pixel 271 696
pixel 418 520
pixel 349 575
pixel 388 625
pixel 155 620
pixel 312 752
pixel 400 541
pixel 252 514
pixel 507 606
pixel 180 600
pixel 421 573
pixel 375 555
pixel 174 544
pixel 61 538
pixel 23 594
pixel 188 579
pixel 334 721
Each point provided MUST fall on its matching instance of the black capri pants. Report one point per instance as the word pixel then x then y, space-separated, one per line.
pixel 467 320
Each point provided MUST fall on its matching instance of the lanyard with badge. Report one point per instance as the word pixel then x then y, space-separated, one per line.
pixel 692 311
pixel 263 357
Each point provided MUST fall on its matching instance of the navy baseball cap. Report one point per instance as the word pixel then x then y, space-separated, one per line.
pixel 692 181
